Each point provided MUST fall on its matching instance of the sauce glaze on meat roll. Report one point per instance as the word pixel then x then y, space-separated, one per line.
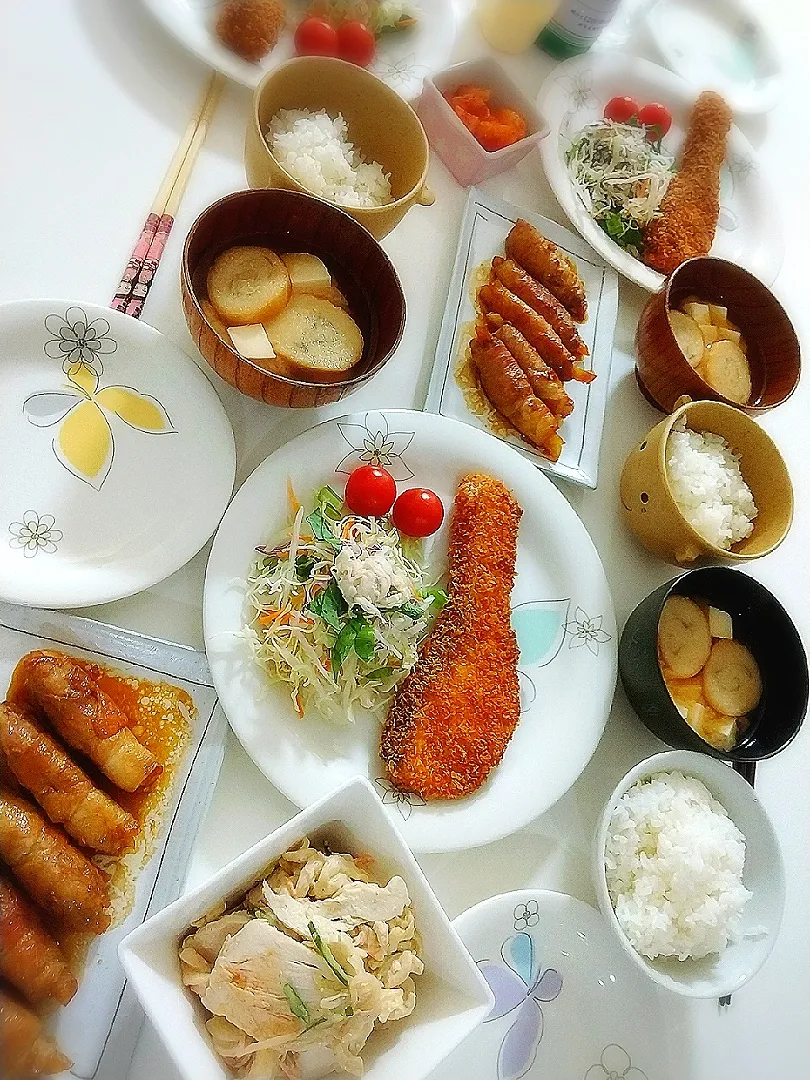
pixel 30 959
pixel 54 873
pixel 84 716
pixel 24 1050
pixel 62 789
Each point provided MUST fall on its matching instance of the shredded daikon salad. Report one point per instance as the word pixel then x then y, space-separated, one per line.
pixel 339 609
pixel 621 178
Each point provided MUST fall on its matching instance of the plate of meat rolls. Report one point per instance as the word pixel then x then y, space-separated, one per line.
pixel 527 337
pixel 104 769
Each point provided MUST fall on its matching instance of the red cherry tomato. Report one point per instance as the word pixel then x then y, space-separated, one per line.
pixel 316 37
pixel 418 512
pixel 370 491
pixel 356 43
pixel 621 109
pixel 657 119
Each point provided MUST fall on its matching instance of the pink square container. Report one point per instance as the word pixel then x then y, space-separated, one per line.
pixel 458 148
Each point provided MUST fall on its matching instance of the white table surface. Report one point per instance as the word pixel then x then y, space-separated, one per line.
pixel 95 97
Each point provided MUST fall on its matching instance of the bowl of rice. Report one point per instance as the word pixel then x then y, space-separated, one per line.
pixel 707 482
pixel 334 130
pixel 689 874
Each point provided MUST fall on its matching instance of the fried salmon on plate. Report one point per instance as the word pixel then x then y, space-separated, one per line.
pixel 454 714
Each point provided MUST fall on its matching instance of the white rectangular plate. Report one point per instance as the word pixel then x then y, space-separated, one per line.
pixel 98 1030
pixel 487 222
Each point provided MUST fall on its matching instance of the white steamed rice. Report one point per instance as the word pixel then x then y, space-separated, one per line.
pixel 706 483
pixel 314 149
pixel 674 864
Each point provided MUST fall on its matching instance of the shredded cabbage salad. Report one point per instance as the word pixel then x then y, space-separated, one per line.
pixel 621 179
pixel 339 609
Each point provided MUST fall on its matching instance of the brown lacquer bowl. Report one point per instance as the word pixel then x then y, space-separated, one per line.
pixel 665 375
pixel 290 221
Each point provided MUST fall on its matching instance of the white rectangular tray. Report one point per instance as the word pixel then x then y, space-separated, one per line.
pixel 99 1029
pixel 487 221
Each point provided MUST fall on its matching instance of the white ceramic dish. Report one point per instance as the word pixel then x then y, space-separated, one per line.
pixel 763 875
pixel 98 1029
pixel 748 230
pixel 116 457
pixel 403 59
pixel 719 45
pixel 458 148
pixel 568 1004
pixel 486 223
pixel 452 997
pixel 562 612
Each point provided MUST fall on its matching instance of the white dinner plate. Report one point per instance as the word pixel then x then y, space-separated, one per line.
pixel 748 229
pixel 403 58
pixel 562 613
pixel 487 222
pixel 719 44
pixel 116 457
pixel 568 1003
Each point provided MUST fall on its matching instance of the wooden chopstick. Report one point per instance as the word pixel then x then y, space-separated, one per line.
pixel 139 273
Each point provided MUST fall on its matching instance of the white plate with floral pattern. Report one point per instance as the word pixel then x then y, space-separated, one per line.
pixel 116 458
pixel 568 1003
pixel 576 92
pixel 403 59
pixel 562 614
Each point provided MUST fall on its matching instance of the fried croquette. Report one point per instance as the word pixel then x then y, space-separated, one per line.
pixel 251 28
pixel 455 712
pixel 687 220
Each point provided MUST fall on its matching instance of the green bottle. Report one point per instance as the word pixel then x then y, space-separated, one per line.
pixel 575 27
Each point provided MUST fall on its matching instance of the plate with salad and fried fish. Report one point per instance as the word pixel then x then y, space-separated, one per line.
pixel 652 173
pixel 398 595
pixel 400 41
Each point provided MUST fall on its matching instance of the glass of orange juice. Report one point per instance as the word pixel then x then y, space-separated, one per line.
pixel 512 26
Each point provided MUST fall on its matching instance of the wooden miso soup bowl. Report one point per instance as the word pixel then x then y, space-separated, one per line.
pixel 288 221
pixel 381 126
pixel 649 505
pixel 663 372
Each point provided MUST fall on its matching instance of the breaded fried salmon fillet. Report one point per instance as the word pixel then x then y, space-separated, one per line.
pixel 455 712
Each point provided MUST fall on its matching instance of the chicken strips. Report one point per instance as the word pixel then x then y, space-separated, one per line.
pixel 455 712
pixel 685 225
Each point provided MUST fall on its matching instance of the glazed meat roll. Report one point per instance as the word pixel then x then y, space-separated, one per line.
pixel 53 872
pixel 62 789
pixel 24 1050
pixel 59 687
pixel 30 959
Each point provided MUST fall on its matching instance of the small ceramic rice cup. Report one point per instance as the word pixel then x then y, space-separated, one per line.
pixel 381 126
pixel 653 515
pixel 763 875
pixel 458 148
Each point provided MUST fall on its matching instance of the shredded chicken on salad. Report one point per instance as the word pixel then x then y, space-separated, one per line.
pixel 297 976
pixel 339 609
pixel 621 178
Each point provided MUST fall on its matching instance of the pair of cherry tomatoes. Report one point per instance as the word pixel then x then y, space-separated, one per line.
pixel 352 40
pixel 372 491
pixel 655 117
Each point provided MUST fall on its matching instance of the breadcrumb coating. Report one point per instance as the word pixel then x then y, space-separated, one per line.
pixel 251 28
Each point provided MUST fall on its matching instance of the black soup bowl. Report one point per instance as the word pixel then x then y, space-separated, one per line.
pixel 760 623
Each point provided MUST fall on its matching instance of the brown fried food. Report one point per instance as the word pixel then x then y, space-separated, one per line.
pixel 52 871
pixel 541 300
pixel 25 1050
pixel 534 327
pixel 688 214
pixel 544 381
pixel 549 265
pixel 505 384
pixel 455 712
pixel 251 28
pixel 66 794
pixel 29 957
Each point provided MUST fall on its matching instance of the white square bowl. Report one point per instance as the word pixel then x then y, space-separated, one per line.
pixel 452 998
pixel 458 148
